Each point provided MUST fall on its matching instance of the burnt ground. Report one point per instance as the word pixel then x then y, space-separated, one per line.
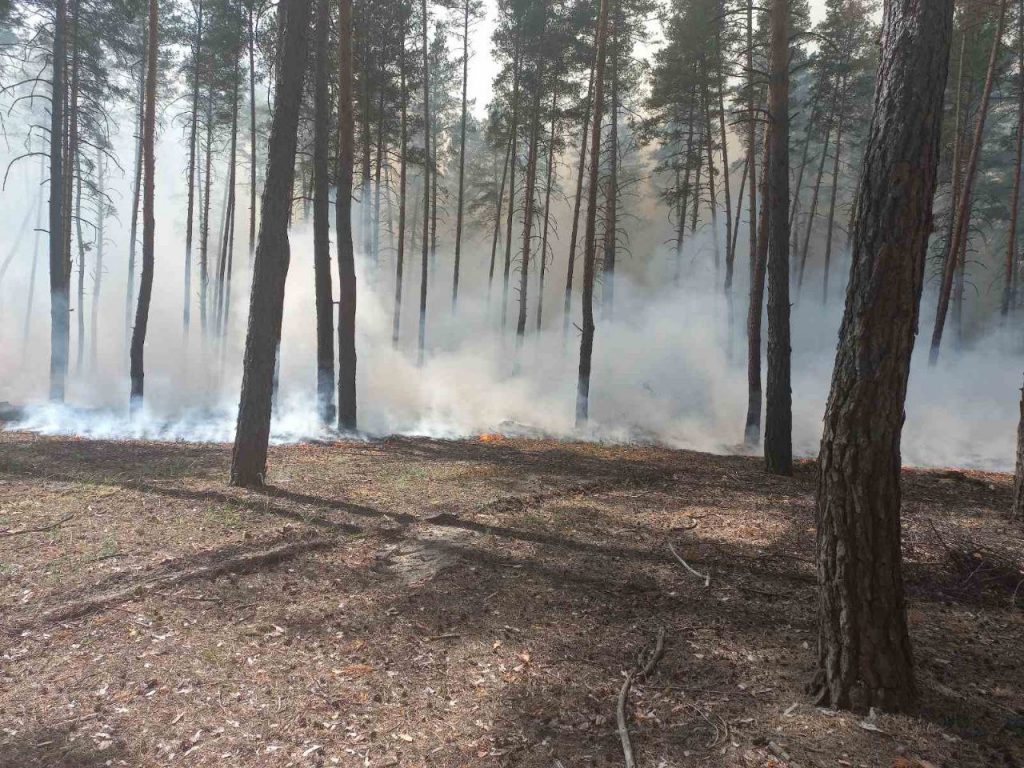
pixel 415 602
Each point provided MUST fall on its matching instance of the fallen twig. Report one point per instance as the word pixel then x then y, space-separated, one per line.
pixel 620 707
pixel 41 529
pixel 698 574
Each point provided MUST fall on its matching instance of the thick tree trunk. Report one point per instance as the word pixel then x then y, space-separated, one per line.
pixel 961 228
pixel 347 411
pixel 421 341
pixel 778 437
pixel 270 267
pixel 581 170
pixel 403 168
pixel 148 221
pixel 192 139
pixel 462 155
pixel 863 645
pixel 324 296
pixel 60 330
pixel 590 236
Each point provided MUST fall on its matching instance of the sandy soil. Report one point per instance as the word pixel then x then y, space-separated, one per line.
pixel 417 602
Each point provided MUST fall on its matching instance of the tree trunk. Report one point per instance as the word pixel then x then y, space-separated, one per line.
pixel 752 429
pixel 709 145
pixel 684 197
pixel 347 411
pixel 270 267
pixel 581 170
pixel 755 320
pixel 129 305
pixel 497 218
pixel 1018 477
pixel 321 221
pixel 962 226
pixel 513 160
pixel 832 195
pixel 814 198
pixel 1009 288
pixel 192 138
pixel 29 303
pixel 778 437
pixel 864 653
pixel 730 253
pixel 425 245
pixel 547 207
pixel 148 222
pixel 60 330
pixel 590 236
pixel 531 183
pixel 462 156
pixel 378 164
pixel 204 234
pixel 402 184
pixel 101 215
pixel 611 225
pixel 252 133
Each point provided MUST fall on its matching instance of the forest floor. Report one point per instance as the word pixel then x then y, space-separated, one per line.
pixel 414 602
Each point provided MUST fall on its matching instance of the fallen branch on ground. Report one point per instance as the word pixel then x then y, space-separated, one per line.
pixel 620 708
pixel 698 574
pixel 41 529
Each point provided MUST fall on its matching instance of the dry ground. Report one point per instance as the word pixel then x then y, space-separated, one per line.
pixel 414 602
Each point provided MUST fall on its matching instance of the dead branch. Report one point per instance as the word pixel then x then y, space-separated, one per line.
pixel 620 707
pixel 41 529
pixel 698 574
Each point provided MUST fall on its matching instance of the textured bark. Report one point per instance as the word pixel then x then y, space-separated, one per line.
pixel 758 266
pixel 778 437
pixel 462 155
pixel 193 135
pixel 590 236
pixel 1009 298
pixel 270 266
pixel 581 170
pixel 403 176
pixel 347 411
pixel 324 296
pixel 421 341
pixel 863 645
pixel 961 228
pixel 59 300
pixel 148 221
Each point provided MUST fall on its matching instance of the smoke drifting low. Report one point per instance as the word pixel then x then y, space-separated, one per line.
pixel 669 368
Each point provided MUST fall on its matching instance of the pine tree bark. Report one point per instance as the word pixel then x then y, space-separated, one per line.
pixel 60 330
pixel 513 161
pixel 148 221
pixel 270 267
pixel 611 220
pixel 1009 288
pixel 755 319
pixel 133 230
pixel 252 131
pixel 498 219
pixel 581 170
pixel 192 139
pixel 101 215
pixel 1018 477
pixel 204 233
pixel 590 236
pixel 347 361
pixel 778 437
pixel 396 319
pixel 324 295
pixel 961 228
pixel 730 253
pixel 421 341
pixel 462 155
pixel 814 197
pixel 752 428
pixel 863 644
pixel 832 195
pixel 546 218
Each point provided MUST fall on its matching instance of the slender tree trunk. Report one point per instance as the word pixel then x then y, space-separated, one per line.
pixel 752 429
pixel 402 185
pixel 364 190
pixel 321 220
pixel 814 199
pixel 709 144
pixel 148 221
pixel 739 205
pixel 778 437
pixel 547 207
pixel 252 132
pixel 513 160
pixel 581 170
pixel 531 183
pixel 963 217
pixel 59 299
pixel 755 319
pixel 590 236
pixel 422 337
pixel 129 305
pixel 347 411
pixel 684 197
pixel 832 196
pixel 204 234
pixel 192 139
pixel 1017 511
pixel 497 218
pixel 611 224
pixel 1009 288
pixel 462 156
pixel 97 277
pixel 730 253
pixel 378 164
pixel 864 653
pixel 270 267
pixel 30 301
pixel 80 241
